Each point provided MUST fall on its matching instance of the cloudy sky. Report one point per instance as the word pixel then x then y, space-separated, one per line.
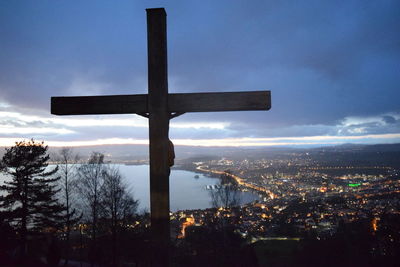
pixel 333 68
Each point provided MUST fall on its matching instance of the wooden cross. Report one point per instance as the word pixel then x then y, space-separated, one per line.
pixel 159 107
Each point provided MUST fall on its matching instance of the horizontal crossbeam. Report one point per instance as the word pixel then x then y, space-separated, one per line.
pixel 92 105
pixel 177 103
pixel 229 101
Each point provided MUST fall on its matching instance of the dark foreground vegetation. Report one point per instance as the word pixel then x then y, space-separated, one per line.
pixel 80 213
pixel 353 245
pixel 213 245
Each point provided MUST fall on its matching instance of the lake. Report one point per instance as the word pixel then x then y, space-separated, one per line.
pixel 186 191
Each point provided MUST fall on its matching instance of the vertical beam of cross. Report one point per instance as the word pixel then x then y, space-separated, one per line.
pixel 158 128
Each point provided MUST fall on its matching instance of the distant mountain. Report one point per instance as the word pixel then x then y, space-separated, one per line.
pixel 140 152
pixel 362 148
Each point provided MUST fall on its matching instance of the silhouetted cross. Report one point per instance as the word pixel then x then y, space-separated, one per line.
pixel 159 107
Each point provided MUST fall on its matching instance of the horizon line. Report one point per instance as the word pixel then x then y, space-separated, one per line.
pixel 323 140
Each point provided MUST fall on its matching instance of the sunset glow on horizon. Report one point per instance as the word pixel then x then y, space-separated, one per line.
pixel 228 142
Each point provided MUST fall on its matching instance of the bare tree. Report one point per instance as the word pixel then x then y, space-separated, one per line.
pixel 117 205
pixel 90 179
pixel 108 202
pixel 226 194
pixel 67 167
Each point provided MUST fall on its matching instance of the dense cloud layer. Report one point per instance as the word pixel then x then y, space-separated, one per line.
pixel 324 62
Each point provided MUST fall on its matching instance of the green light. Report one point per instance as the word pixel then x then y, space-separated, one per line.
pixel 354 185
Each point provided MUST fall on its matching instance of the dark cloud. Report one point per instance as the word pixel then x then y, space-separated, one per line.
pixel 389 119
pixel 323 61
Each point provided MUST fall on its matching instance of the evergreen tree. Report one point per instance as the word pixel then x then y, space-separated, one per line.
pixel 30 201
